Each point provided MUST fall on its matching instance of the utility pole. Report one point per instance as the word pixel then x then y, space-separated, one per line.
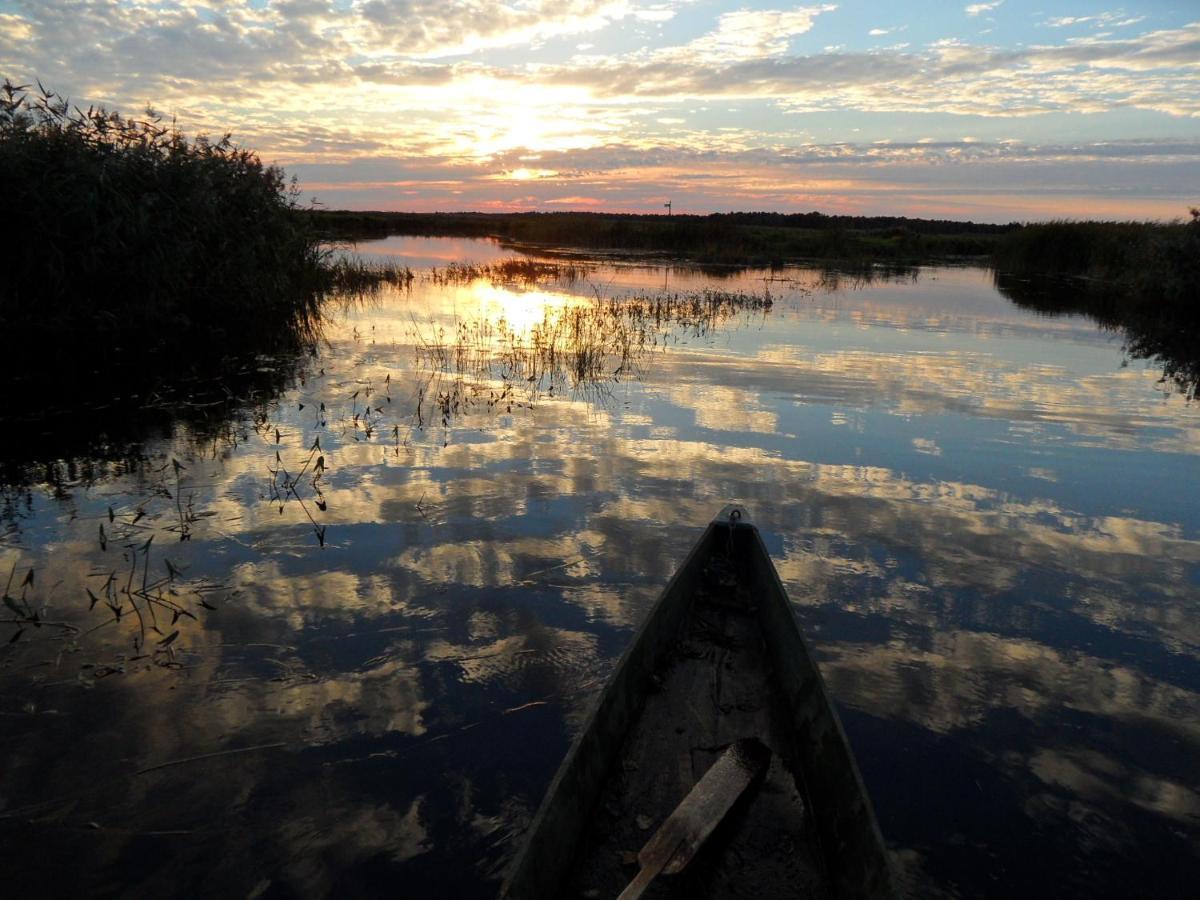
pixel 668 206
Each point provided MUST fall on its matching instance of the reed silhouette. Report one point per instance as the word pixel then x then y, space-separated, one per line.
pixel 134 239
pixel 1135 262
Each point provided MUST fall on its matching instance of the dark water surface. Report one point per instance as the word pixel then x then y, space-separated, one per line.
pixel 988 526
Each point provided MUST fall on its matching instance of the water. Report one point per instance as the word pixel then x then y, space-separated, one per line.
pixel 985 520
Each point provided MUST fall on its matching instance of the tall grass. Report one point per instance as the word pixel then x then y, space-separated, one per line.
pixel 1143 261
pixel 582 350
pixel 351 277
pixel 129 238
pixel 512 270
pixel 1140 279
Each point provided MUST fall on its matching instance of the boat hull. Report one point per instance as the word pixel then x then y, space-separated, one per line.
pixel 719 658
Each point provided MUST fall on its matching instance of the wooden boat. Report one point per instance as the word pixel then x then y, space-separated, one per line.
pixel 719 659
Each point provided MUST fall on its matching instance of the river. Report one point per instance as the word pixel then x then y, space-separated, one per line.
pixel 362 615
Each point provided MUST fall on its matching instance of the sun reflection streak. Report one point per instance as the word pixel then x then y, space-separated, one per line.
pixel 519 310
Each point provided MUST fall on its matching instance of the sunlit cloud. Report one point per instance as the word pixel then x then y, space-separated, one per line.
pixel 938 178
pixel 751 34
pixel 1092 74
pixel 458 27
pixel 453 90
pixel 978 9
pixel 1102 20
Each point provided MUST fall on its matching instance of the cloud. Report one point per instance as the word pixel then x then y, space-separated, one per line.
pixel 1064 21
pixel 454 27
pixel 977 9
pixel 1149 71
pixel 296 40
pixel 750 34
pixel 992 181
pixel 14 28
pixel 662 12
pixel 231 63
pixel 1103 20
pixel 308 81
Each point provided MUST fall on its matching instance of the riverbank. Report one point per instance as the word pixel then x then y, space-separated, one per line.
pixel 1123 262
pixel 137 241
pixel 1149 259
pixel 145 265
pixel 747 239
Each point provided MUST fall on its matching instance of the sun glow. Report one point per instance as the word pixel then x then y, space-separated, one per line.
pixel 520 311
pixel 425 106
pixel 487 116
pixel 525 174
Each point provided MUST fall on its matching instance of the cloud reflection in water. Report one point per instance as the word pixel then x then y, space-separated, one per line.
pixel 1009 618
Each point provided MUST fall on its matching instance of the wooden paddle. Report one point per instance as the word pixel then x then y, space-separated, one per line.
pixel 699 813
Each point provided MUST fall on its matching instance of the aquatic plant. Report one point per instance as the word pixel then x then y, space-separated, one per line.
pixel 580 349
pixel 1143 260
pixel 521 270
pixel 152 598
pixel 136 240
pixel 349 276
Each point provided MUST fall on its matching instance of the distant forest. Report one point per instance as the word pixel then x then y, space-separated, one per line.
pixel 478 222
pixel 743 238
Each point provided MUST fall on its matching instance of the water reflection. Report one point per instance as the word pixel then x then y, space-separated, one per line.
pixel 1168 333
pixel 976 511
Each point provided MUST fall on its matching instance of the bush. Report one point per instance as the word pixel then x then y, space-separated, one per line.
pixel 1143 280
pixel 1176 267
pixel 1139 261
pixel 133 238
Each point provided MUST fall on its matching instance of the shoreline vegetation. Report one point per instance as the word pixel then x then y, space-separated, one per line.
pixel 150 276
pixel 1134 260
pixel 1139 278
pixel 1149 259
pixel 139 242
pixel 721 239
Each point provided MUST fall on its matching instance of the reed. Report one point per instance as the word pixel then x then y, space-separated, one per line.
pixel 513 270
pixel 1142 261
pixel 350 276
pixel 582 350
pixel 129 239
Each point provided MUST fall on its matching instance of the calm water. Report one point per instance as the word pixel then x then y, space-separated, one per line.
pixel 411 571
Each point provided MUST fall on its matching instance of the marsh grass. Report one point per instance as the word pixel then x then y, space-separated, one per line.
pixel 579 350
pixel 135 238
pixel 1144 261
pixel 513 270
pixel 351 277
pixel 148 277
pixel 1167 333
pixel 1140 279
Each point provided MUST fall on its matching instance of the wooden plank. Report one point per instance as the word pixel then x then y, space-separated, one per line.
pixel 679 838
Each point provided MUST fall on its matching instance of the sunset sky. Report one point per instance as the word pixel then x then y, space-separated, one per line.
pixel 988 111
